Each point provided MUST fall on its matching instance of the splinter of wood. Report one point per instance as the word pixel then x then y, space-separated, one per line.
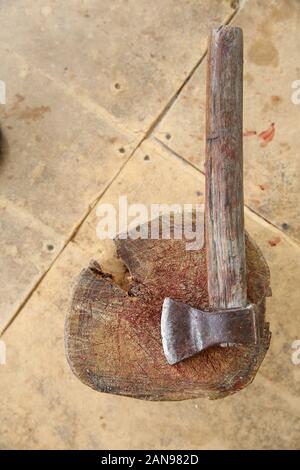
pixel 224 221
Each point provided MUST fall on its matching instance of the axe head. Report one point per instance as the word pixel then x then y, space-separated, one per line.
pixel 187 331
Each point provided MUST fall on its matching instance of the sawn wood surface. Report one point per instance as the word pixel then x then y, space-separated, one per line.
pixel 112 335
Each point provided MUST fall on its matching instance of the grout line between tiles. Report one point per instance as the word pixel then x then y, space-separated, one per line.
pixel 260 218
pixel 68 240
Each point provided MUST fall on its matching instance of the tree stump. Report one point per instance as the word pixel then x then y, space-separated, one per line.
pixel 112 336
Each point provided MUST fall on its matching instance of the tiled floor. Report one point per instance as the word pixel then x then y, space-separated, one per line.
pixel 92 89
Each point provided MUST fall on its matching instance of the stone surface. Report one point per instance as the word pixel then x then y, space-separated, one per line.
pixel 27 249
pixel 272 169
pixel 55 154
pixel 283 306
pixel 129 58
pixel 67 414
pixel 150 177
pixel 56 159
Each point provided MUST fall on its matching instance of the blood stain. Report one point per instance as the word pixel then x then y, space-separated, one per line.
pixel 263 186
pixel 267 135
pixel 249 133
pixel 274 242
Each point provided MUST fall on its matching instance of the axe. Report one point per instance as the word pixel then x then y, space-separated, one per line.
pixel 229 319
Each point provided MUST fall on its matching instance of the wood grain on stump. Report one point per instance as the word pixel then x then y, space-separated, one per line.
pixel 112 335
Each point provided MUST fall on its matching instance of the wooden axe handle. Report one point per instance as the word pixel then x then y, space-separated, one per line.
pixel 224 211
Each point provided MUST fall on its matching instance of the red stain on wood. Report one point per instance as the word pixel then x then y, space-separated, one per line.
pixel 275 241
pixel 267 135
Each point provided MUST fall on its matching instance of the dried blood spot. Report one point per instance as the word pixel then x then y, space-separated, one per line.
pixel 275 241
pixel 267 135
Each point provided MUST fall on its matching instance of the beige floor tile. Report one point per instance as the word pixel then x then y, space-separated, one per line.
pixel 272 168
pixel 128 57
pixel 57 157
pixel 182 129
pixel 256 418
pixel 283 257
pixel 152 176
pixel 66 414
pixel 27 250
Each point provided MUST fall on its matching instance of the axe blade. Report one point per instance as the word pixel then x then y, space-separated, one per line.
pixel 187 331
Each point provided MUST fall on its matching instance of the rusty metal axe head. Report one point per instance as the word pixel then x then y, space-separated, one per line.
pixel 187 331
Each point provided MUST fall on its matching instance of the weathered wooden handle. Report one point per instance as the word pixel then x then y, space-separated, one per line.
pixel 224 220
